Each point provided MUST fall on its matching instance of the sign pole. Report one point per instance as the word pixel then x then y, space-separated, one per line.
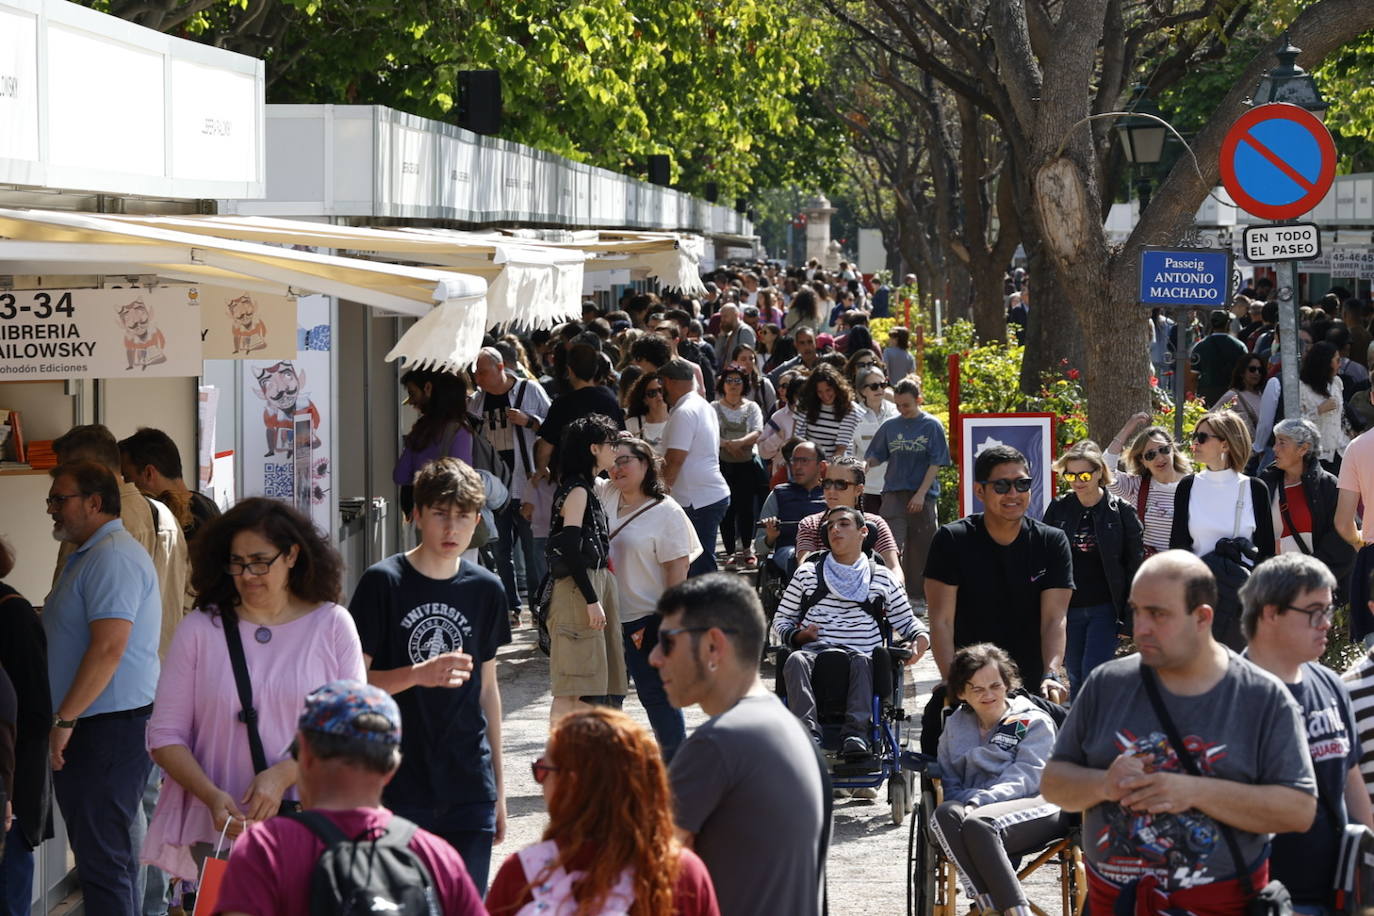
pixel 1288 337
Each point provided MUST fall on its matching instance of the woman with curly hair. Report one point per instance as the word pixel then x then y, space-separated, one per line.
pixel 264 575
pixel 610 844
pixel 825 412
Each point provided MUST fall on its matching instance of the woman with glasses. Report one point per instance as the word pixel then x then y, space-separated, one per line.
pixel 652 544
pixel 1105 537
pixel 1247 390
pixel 610 845
pixel 1219 509
pixel 263 572
pixel 875 408
pixel 859 361
pixel 1154 466
pixel 741 424
pixel 757 386
pixel 826 414
pixel 646 412
pixel 586 664
pixel 1303 507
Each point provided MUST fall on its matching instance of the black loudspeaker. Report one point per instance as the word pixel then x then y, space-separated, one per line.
pixel 741 204
pixel 660 170
pixel 479 101
pixel 712 192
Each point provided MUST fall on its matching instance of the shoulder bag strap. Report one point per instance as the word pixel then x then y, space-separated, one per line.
pixel 636 514
pixel 1288 519
pixel 1240 505
pixel 1186 758
pixel 1142 497
pixel 326 830
pixel 247 715
pixel 520 433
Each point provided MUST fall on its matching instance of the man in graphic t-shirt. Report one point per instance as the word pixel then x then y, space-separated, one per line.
pixel 1286 613
pixel 430 626
pixel 1148 826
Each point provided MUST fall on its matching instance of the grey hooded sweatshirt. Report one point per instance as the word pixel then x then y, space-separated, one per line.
pixel 1006 765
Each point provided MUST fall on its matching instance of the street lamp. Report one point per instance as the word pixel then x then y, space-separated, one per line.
pixel 1142 133
pixel 1290 83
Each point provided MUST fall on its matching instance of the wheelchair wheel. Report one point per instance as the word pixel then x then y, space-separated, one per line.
pixel 923 861
pixel 897 796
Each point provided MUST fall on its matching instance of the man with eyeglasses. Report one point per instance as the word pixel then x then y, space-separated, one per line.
pixel 843 485
pixel 999 576
pixel 1193 833
pixel 1286 613
pixel 790 502
pixel 102 621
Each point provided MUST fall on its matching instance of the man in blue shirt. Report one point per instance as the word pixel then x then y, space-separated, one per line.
pixel 102 620
pixel 914 448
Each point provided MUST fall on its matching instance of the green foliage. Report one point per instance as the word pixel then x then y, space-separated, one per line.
pixel 1340 652
pixel 722 86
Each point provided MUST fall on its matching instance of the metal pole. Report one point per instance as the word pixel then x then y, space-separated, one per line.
pixel 1182 356
pixel 1287 292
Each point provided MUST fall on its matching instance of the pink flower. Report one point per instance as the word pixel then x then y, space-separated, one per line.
pixel 1154 381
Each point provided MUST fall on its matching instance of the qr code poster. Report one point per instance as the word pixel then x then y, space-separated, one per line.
pixel 287 421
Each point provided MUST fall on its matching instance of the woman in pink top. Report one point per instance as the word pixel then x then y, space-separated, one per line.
pixel 264 569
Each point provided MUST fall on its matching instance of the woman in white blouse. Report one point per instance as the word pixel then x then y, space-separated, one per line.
pixel 1323 395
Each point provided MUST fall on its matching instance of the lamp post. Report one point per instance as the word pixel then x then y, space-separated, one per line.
pixel 1142 140
pixel 1292 84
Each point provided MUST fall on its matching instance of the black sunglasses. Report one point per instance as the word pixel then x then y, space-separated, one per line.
pixel 666 638
pixel 1157 451
pixel 1003 486
pixel 874 386
pixel 840 485
pixel 1201 436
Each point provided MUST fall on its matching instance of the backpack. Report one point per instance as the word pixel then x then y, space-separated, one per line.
pixel 361 876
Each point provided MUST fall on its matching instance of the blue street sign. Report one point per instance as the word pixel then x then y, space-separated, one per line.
pixel 1196 277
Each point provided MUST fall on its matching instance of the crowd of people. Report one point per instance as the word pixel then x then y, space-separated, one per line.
pixel 630 484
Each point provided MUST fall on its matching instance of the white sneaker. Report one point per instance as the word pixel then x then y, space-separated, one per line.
pixel 843 793
pixel 865 792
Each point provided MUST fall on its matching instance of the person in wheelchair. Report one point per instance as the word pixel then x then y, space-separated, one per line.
pixel 993 748
pixel 789 503
pixel 842 599
pixel 843 483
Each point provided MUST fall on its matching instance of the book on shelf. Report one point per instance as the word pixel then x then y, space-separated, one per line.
pixel 15 441
pixel 40 455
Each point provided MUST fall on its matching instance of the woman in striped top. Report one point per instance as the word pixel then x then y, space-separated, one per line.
pixel 1154 466
pixel 826 413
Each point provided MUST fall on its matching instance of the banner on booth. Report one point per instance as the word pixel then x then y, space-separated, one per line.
pixel 98 333
pixel 1032 434
pixel 238 324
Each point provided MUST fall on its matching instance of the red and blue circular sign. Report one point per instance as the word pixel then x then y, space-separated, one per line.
pixel 1278 161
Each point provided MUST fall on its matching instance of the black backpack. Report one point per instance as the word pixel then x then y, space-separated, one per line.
pixel 362 875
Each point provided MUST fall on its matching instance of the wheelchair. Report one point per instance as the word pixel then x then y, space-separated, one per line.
pixel 932 879
pixel 888 736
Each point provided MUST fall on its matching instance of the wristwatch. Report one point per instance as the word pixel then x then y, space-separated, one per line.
pixel 1052 676
pixel 59 722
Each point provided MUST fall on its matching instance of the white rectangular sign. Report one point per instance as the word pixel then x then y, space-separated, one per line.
pixel 18 85
pixel 1296 242
pixel 99 333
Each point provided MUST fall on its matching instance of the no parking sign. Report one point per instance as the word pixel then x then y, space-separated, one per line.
pixel 1278 161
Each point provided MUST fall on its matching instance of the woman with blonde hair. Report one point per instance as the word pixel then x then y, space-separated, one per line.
pixel 1106 537
pixel 610 844
pixel 1154 466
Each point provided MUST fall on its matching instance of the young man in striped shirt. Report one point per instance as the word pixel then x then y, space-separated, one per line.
pixel 834 602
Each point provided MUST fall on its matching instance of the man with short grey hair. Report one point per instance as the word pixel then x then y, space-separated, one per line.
pixel 733 333
pixel 1286 616
pixel 691 459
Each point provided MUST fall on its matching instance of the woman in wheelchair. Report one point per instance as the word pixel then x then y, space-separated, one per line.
pixel 993 750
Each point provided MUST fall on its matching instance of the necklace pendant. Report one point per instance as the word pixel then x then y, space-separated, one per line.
pixel 263 635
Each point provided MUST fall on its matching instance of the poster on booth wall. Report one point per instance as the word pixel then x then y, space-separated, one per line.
pixel 285 449
pixel 99 333
pixel 1031 434
pixel 238 324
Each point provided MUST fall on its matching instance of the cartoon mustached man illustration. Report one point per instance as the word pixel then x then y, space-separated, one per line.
pixel 280 386
pixel 144 344
pixel 250 332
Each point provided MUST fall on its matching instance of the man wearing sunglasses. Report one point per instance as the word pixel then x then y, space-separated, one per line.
pixel 843 484
pixel 998 576
pixel 1286 613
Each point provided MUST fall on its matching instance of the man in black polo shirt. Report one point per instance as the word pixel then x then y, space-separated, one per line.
pixel 1000 577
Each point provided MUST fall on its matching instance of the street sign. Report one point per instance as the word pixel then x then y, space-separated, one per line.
pixel 1196 277
pixel 1278 161
pixel 1293 242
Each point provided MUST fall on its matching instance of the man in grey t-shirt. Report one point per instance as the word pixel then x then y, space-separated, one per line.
pixel 1147 820
pixel 747 785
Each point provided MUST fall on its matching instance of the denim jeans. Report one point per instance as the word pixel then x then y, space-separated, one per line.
pixel 1091 641
pixel 667 722
pixel 514 534
pixel 16 874
pixel 468 828
pixel 706 522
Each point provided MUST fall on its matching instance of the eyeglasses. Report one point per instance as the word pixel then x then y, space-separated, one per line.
pixel 540 770
pixel 1157 451
pixel 653 392
pixel 733 380
pixel 56 501
pixel 1202 436
pixel 1254 368
pixel 256 567
pixel 875 386
pixel 840 485
pixel 624 460
pixel 1316 617
pixel 666 639
pixel 1003 486
pixel 1081 476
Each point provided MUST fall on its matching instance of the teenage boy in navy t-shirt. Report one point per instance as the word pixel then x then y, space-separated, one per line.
pixel 430 626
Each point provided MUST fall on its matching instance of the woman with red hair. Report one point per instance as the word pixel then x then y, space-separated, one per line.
pixel 609 846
